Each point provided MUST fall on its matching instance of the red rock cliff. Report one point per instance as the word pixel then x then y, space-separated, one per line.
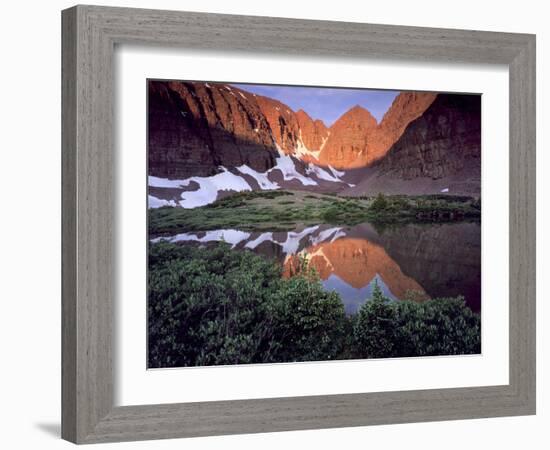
pixel 356 140
pixel 440 143
pixel 347 144
pixel 313 133
pixel 406 107
pixel 196 127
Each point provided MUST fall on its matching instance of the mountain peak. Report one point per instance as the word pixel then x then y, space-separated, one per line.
pixel 357 114
pixel 302 113
pixel 346 146
pixel 358 108
pixel 313 133
pixel 246 127
pixel 406 107
pixel 461 144
pixel 357 139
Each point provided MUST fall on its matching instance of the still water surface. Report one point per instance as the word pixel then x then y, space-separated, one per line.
pixel 428 260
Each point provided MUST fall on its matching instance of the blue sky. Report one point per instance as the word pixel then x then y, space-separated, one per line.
pixel 326 104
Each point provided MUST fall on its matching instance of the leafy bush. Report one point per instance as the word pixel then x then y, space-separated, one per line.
pixel 406 328
pixel 375 335
pixel 214 305
pixel 331 214
pixel 206 306
pixel 309 321
pixel 379 203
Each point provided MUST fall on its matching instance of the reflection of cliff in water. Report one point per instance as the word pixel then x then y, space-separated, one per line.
pixel 445 259
pixel 355 263
pixel 430 260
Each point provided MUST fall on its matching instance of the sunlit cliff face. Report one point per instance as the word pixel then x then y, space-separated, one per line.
pixel 194 127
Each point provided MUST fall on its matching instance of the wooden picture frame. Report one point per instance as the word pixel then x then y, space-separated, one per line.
pixel 90 34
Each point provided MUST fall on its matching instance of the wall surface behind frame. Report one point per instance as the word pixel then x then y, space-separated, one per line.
pixel 30 226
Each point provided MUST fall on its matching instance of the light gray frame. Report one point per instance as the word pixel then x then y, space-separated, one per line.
pixel 89 36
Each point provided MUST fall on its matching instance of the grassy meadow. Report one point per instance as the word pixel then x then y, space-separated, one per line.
pixel 284 210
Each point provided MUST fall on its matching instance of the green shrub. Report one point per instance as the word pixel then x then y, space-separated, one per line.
pixel 308 322
pixel 331 214
pixel 406 328
pixel 375 334
pixel 206 306
pixel 213 305
pixel 380 203
pixel 209 306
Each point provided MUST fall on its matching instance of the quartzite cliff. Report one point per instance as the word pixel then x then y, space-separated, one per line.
pixel 424 142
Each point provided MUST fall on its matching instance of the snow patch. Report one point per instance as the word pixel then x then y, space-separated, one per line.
pixel 322 174
pixel 338 235
pixel 154 202
pixel 290 246
pixel 233 237
pixel 324 141
pixel 242 95
pixel 336 173
pixel 209 187
pixel 302 150
pixel 207 85
pixel 261 238
pixel 285 164
pixel 332 234
pixel 166 183
pixel 335 177
pixel 445 190
pixel 263 181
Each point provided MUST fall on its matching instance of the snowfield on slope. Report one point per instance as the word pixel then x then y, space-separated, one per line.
pixel 261 178
pixel 210 187
pixel 286 166
pixel 321 173
pixel 208 190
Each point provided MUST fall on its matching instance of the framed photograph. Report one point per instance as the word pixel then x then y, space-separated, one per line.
pixel 268 222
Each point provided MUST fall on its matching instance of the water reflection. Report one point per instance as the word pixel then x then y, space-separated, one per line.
pixel 353 297
pixel 428 260
pixel 350 266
